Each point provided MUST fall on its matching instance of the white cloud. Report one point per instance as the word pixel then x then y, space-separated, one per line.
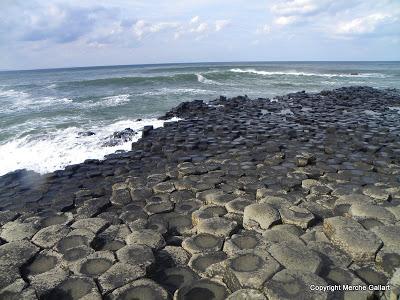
pixel 221 24
pixel 201 28
pixel 194 20
pixel 363 25
pixel 298 7
pixel 141 28
pixel 283 21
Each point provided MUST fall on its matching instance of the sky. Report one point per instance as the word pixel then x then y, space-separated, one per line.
pixel 67 33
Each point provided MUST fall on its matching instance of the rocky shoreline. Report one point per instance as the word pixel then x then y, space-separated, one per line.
pixel 295 198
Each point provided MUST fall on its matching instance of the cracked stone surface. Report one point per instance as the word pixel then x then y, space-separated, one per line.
pixel 260 216
pixel 294 256
pixel 351 237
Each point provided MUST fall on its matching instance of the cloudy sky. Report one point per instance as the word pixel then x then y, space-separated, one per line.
pixel 64 33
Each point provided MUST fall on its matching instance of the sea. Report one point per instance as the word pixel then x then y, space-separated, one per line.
pixel 44 112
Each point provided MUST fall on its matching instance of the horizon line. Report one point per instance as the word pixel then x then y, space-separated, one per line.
pixel 192 63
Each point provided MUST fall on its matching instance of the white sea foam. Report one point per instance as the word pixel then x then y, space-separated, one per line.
pixel 202 79
pixel 166 91
pixel 115 100
pixel 18 100
pixel 63 147
pixel 5 93
pixel 52 86
pixel 109 101
pixel 295 73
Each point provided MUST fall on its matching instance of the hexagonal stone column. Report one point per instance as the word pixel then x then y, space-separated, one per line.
pixel 249 269
pixel 146 237
pixel 140 255
pixel 272 236
pixel 202 242
pixel 142 289
pixel 369 211
pixel 218 226
pixel 330 253
pixel 297 216
pixel 200 262
pixel 95 264
pixel 351 237
pixel 260 216
pixel 242 242
pixel 293 284
pixel 294 256
pixel 16 231
pixel 247 294
pixel 49 236
pixel 119 274
pixel 77 287
pixel 339 276
pixel 202 289
pixel 176 277
pixel 206 212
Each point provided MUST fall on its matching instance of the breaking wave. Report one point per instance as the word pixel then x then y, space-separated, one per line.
pixel 295 73
pixel 55 150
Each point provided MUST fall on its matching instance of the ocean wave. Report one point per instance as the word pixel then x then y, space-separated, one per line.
pixel 113 100
pixel 166 91
pixel 295 73
pixel 5 93
pixel 328 82
pixel 202 79
pixel 19 100
pixel 52 86
pixel 56 150
pixel 109 101
pixel 127 80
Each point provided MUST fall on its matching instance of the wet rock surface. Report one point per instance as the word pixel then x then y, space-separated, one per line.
pixel 119 137
pixel 239 199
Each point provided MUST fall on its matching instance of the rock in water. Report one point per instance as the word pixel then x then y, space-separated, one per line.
pixel 119 137
pixel 86 133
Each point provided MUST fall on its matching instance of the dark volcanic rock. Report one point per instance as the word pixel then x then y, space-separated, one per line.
pixel 253 198
pixel 186 109
pixel 119 137
pixel 86 133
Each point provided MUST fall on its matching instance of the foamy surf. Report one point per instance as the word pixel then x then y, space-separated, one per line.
pixel 178 91
pixel 107 101
pixel 56 150
pixel 295 73
pixel 202 79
